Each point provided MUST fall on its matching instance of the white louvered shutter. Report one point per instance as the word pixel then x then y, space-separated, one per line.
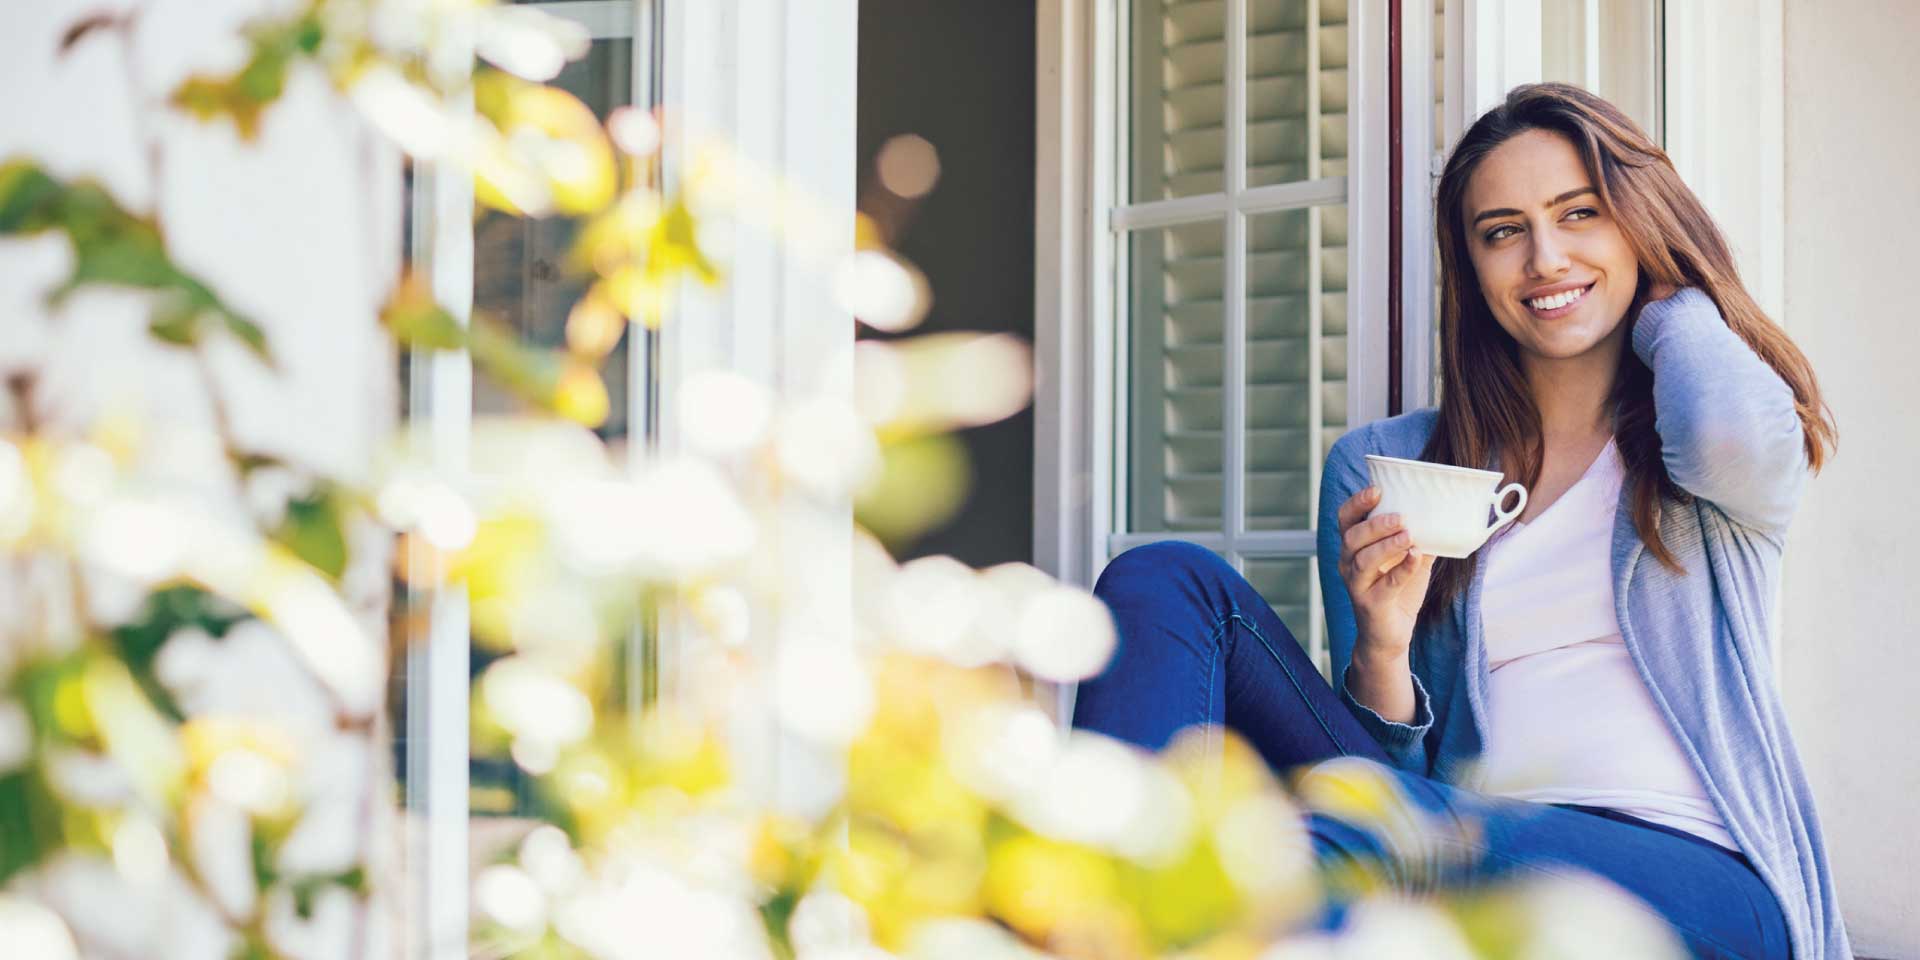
pixel 1294 277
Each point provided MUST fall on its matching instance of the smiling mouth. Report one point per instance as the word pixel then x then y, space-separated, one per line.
pixel 1558 303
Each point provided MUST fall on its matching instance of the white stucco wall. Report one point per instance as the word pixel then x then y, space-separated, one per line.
pixel 300 230
pixel 1792 121
pixel 1723 126
pixel 1852 607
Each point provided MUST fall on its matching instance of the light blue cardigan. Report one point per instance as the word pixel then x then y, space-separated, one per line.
pixel 1730 437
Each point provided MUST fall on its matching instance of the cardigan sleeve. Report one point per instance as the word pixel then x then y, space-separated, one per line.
pixel 1729 432
pixel 1345 475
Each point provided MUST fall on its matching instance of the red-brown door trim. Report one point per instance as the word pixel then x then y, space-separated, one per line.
pixel 1394 238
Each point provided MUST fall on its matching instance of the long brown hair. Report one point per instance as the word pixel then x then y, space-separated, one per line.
pixel 1487 412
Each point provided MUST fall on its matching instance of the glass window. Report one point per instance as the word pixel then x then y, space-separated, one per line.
pixel 1177 337
pixel 1612 49
pixel 1296 360
pixel 520 272
pixel 521 280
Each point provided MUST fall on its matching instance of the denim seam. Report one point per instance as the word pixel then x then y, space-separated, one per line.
pixel 1215 642
pixel 1213 670
pixel 1325 727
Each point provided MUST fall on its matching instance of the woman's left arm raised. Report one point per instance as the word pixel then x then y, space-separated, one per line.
pixel 1729 431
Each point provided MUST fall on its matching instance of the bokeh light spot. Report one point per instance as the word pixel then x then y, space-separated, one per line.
pixel 909 166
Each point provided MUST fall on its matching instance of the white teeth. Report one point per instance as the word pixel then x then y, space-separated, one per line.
pixel 1558 300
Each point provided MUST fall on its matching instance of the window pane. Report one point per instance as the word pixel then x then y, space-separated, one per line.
pixel 1296 90
pixel 1296 359
pixel 1178 120
pixel 1609 48
pixel 1176 369
pixel 521 278
pixel 520 272
pixel 1289 586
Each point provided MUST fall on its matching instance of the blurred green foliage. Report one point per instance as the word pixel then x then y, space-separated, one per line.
pixel 115 248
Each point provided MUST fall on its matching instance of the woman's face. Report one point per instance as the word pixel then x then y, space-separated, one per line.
pixel 1554 267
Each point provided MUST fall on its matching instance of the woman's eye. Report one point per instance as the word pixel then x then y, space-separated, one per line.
pixel 1501 233
pixel 1582 213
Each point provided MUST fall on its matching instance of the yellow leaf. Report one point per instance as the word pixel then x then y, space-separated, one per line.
pixel 612 239
pixel 555 134
pixel 1037 885
pixel 594 327
pixel 1187 900
pixel 581 396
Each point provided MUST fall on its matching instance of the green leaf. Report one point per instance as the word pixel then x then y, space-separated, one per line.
pixel 777 915
pixel 264 848
pixel 30 822
pixel 184 323
pixel 50 688
pixel 209 98
pixel 243 96
pixel 308 34
pixel 168 610
pixel 303 894
pixel 308 889
pixel 250 335
pixel 313 531
pixel 922 483
pixel 253 948
pixel 417 321
pixel 265 78
pixel 115 248
pixel 531 373
pixel 27 195
pixel 178 327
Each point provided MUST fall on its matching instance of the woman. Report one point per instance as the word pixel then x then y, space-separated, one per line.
pixel 1593 687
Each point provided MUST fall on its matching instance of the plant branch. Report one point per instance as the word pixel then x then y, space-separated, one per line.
pixel 222 418
pixel 127 26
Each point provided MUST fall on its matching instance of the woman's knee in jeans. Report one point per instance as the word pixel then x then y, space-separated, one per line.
pixel 1346 775
pixel 1359 789
pixel 1162 562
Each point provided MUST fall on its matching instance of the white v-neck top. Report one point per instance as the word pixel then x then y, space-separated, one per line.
pixel 1569 716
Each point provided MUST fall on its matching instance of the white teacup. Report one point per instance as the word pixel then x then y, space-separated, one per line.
pixel 1443 508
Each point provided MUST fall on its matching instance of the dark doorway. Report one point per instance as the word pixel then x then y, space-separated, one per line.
pixel 961 75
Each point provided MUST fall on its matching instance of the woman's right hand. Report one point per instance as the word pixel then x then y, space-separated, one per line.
pixel 1385 577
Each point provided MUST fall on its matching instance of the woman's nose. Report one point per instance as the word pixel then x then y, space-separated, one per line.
pixel 1549 258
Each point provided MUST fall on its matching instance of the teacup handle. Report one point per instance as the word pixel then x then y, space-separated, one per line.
pixel 1504 517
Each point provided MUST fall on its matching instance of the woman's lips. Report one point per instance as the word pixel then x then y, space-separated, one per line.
pixel 1563 305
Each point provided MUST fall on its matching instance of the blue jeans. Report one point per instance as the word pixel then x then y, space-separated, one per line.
pixel 1198 645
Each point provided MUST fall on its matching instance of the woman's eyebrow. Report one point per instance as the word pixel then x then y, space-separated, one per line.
pixel 1556 201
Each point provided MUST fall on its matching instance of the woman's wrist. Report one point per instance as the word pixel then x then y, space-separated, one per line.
pixel 1380 678
pixel 1377 661
pixel 1370 646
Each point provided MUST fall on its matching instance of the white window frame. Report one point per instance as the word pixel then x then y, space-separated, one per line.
pixel 772 80
pixel 739 69
pixel 1077 461
pixel 438 691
